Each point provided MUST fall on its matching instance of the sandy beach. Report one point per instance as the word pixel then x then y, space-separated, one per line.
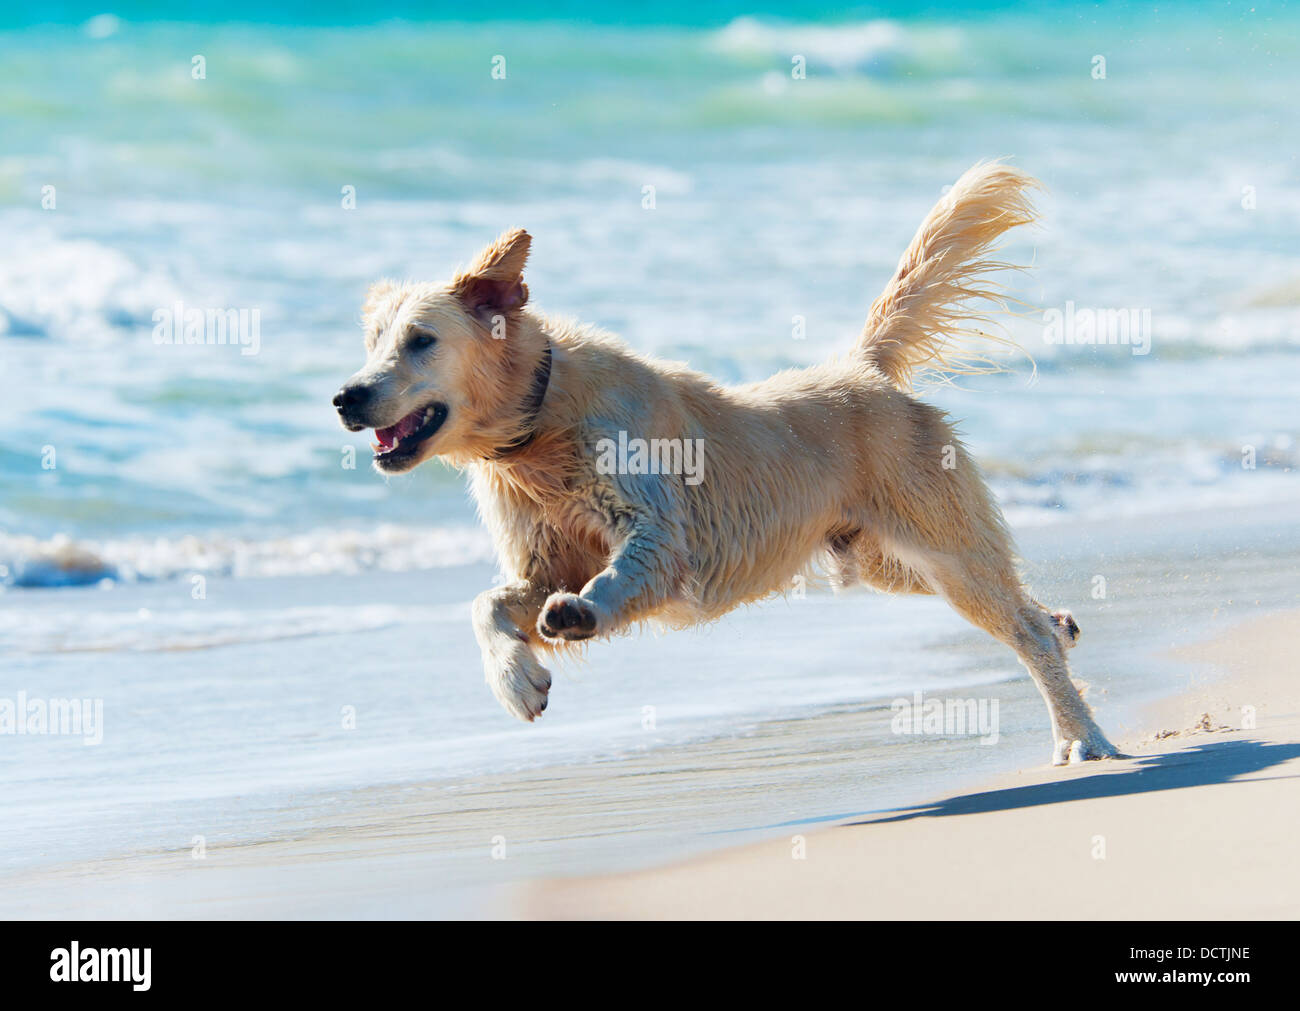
pixel 1199 822
pixel 225 787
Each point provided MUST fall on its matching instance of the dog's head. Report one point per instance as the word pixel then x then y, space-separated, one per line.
pixel 440 373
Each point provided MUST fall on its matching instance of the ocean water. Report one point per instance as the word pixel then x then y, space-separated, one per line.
pixel 774 198
pixel 128 184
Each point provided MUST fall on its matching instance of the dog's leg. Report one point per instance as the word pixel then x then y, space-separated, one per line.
pixel 504 619
pixel 642 574
pixel 995 601
pixel 1040 642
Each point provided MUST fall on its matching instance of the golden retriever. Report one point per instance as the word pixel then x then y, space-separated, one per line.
pixel 577 450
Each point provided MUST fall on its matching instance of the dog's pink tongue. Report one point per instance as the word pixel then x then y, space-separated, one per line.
pixel 390 435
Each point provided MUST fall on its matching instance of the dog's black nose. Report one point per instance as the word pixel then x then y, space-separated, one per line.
pixel 351 398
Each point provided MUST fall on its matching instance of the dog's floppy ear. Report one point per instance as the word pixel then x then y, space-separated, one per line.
pixel 493 284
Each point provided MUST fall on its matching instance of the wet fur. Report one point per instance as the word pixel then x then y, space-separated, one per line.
pixel 835 466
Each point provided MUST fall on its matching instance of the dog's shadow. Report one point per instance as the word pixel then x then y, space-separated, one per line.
pixel 1205 764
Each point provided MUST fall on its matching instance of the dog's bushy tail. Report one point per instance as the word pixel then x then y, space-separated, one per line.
pixel 923 318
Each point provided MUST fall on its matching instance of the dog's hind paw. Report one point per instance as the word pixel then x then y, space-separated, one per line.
pixel 1076 752
pixel 1066 628
pixel 567 616
pixel 519 682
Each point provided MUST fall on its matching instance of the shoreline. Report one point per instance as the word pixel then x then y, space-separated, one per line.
pixel 319 833
pixel 1197 821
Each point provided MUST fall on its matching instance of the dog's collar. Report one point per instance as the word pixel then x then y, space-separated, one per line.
pixel 532 407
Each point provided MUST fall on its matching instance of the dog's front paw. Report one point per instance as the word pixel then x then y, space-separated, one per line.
pixel 567 616
pixel 518 681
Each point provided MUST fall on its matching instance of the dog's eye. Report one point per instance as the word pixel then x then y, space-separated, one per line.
pixel 421 340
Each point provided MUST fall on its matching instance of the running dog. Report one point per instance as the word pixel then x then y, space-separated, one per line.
pixel 835 467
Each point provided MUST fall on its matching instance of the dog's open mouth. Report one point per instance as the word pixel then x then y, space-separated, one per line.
pixel 398 443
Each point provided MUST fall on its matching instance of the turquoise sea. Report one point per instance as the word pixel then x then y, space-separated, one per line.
pixel 775 197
